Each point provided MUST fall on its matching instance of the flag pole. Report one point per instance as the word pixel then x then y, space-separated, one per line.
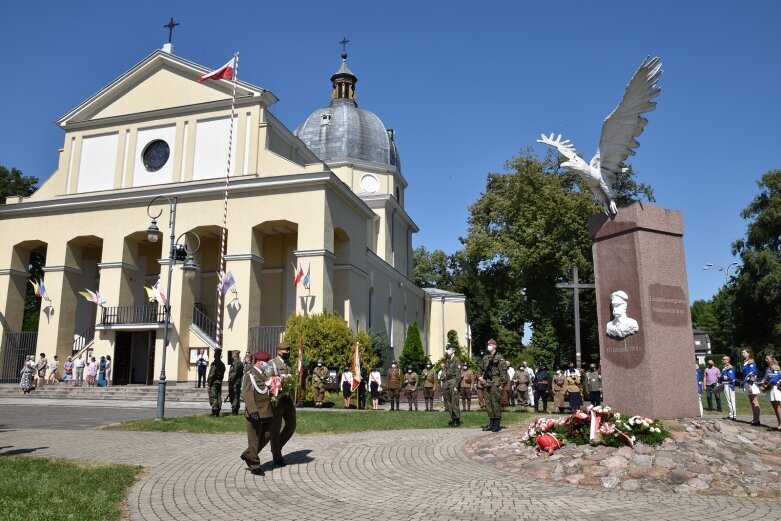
pixel 224 229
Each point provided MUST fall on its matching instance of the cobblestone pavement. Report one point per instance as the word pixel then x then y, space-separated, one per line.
pixel 397 475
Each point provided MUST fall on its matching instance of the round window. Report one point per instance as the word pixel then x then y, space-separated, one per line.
pixel 369 183
pixel 155 155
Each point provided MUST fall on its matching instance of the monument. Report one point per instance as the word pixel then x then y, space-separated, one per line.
pixel 645 340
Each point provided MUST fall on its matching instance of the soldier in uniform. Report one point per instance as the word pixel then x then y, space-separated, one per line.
pixel 319 377
pixel 465 387
pixel 441 383
pixel 394 385
pixel 452 374
pixel 480 387
pixel 522 384
pixel 559 383
pixel 411 387
pixel 429 380
pixel 235 374
pixel 593 385
pixel 257 411
pixel 494 377
pixel 214 382
pixel 284 410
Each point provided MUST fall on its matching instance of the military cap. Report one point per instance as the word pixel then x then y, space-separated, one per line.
pixel 283 345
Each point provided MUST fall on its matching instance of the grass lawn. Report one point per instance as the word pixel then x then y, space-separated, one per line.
pixel 310 422
pixel 743 407
pixel 34 488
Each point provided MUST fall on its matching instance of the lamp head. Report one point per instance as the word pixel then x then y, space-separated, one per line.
pixel 190 267
pixel 153 232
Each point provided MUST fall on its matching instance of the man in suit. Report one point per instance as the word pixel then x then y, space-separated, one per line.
pixel 257 411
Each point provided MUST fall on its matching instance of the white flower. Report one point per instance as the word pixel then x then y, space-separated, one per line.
pixel 618 415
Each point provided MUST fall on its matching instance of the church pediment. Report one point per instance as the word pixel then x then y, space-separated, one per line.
pixel 160 81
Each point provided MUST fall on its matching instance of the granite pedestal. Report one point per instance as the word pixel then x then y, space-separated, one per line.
pixel 640 252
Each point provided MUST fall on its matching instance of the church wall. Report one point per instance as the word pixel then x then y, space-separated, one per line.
pixel 98 162
pixel 142 177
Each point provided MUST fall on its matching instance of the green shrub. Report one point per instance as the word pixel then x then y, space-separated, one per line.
pixel 327 337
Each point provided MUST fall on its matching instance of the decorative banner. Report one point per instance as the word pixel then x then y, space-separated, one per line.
pixel 299 275
pixel 159 294
pixel 39 289
pixel 227 282
pixel 306 277
pixel 93 296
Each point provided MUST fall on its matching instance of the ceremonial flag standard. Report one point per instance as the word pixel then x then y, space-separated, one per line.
pixel 356 367
pixel 223 73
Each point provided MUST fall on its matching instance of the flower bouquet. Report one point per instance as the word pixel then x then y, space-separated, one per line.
pixel 594 425
pixel 280 386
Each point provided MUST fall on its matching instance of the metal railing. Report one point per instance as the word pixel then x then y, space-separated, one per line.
pixel 17 347
pixel 83 339
pixel 204 323
pixel 265 338
pixel 149 314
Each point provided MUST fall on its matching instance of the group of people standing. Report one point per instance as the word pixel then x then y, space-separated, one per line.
pixel 34 372
pixel 715 382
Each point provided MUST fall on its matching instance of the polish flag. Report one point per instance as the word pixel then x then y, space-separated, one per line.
pixel 159 293
pixel 223 73
pixel 299 275
pixel 356 367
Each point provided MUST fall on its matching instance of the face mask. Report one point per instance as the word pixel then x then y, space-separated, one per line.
pixel 428 366
pixel 264 366
pixel 319 365
pixel 490 349
pixel 409 370
pixel 466 367
pixel 393 365
pixel 284 356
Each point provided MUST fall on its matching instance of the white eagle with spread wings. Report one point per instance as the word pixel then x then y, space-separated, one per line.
pixel 617 141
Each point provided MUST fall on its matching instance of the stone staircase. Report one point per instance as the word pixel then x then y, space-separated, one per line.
pixel 183 392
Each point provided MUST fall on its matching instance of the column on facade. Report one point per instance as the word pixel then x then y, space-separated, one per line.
pixel 242 309
pixel 319 297
pixel 56 326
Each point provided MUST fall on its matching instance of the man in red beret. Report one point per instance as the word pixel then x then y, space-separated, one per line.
pixel 257 411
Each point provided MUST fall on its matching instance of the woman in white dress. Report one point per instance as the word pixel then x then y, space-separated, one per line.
pixel 347 386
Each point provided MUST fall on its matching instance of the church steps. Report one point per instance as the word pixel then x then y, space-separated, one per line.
pixel 182 393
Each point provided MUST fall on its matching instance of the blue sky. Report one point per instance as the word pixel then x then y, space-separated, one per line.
pixel 466 85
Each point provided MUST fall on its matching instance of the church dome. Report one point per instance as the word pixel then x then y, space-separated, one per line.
pixel 342 131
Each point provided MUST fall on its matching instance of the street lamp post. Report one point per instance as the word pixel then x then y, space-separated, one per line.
pixel 725 271
pixel 178 252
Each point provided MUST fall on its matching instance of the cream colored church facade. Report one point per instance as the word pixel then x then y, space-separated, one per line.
pixel 297 199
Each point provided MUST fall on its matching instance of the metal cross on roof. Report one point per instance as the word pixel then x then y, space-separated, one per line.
pixel 576 286
pixel 170 26
pixel 344 43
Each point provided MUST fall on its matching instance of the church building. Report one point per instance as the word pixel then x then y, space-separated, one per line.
pixel 316 223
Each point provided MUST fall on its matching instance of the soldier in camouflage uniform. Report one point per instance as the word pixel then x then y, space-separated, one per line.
pixel 411 387
pixel 494 377
pixel 450 386
pixel 394 385
pixel 319 377
pixel 479 387
pixel 235 375
pixel 429 377
pixel 214 382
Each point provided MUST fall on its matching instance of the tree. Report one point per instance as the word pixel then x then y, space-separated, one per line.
pixel 756 289
pixel 14 183
pixel 526 232
pixel 432 269
pixel 412 354
pixel 32 304
pixel 381 347
pixel 327 337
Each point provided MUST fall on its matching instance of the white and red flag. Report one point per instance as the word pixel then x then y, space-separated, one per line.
pixel 356 367
pixel 93 296
pixel 160 295
pixel 226 282
pixel 223 73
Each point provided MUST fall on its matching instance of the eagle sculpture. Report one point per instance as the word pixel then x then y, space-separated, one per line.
pixel 617 141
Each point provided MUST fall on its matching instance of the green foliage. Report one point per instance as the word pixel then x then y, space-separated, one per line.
pixel 327 337
pixel 412 354
pixel 381 347
pixel 452 337
pixel 526 232
pixel 432 269
pixel 755 293
pixel 32 304
pixel 14 183
pixel 38 488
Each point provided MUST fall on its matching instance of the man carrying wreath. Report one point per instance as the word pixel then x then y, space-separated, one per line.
pixel 284 409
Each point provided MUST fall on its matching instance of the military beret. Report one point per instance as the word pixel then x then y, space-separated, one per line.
pixel 262 356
